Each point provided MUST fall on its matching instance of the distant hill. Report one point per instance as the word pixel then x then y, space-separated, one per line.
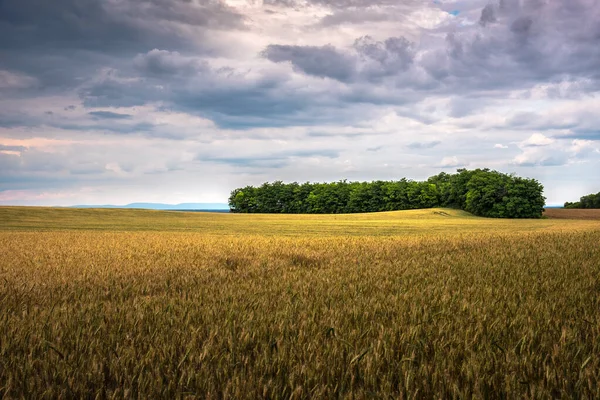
pixel 161 206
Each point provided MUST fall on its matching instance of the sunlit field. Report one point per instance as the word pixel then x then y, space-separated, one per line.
pixel 428 222
pixel 410 304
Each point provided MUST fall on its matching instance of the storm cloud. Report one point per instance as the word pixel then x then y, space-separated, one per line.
pixel 98 98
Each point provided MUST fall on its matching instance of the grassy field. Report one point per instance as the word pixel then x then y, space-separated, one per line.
pixel 411 304
pixel 429 222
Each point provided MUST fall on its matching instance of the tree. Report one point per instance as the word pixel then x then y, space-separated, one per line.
pixel 481 192
pixel 589 201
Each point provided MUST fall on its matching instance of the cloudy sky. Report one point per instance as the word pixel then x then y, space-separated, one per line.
pixel 116 101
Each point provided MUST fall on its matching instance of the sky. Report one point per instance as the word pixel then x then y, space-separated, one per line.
pixel 119 101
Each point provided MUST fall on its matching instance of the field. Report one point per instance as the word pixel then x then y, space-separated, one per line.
pixel 589 214
pixel 411 304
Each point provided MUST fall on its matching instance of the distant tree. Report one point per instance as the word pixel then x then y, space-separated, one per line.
pixel 243 200
pixel 443 183
pixel 497 195
pixel 484 194
pixel 524 198
pixel 481 192
pixel 589 201
pixel 396 195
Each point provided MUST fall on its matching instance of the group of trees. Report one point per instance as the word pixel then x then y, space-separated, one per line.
pixel 481 192
pixel 589 201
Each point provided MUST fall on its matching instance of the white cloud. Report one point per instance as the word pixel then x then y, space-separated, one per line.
pixel 551 153
pixel 579 146
pixel 451 162
pixel 537 139
pixel 541 157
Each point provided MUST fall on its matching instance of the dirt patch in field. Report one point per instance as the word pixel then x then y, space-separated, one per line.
pixel 562 213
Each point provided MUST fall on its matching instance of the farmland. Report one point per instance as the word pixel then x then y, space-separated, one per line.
pixel 411 304
pixel 585 214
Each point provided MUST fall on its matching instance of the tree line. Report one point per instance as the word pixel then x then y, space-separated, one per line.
pixel 481 192
pixel 589 201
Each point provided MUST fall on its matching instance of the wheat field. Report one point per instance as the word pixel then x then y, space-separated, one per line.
pixel 410 305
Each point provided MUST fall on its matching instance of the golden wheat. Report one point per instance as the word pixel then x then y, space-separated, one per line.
pixel 393 305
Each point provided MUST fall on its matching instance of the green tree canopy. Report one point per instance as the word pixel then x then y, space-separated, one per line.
pixel 589 201
pixel 481 192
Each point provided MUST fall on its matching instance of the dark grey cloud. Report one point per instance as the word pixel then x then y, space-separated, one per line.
pixel 376 148
pixel 580 133
pixel 509 52
pixel 12 148
pixel 103 121
pixel 251 162
pixel 282 3
pixel 461 107
pixel 202 58
pixel 356 16
pixel 248 104
pixel 245 107
pixel 231 98
pixel 111 92
pixel 235 98
pixel 8 164
pixel 109 126
pixel 248 99
pixel 539 122
pixel 355 134
pixel 423 145
pixel 578 124
pixel 322 61
pixel 516 46
pixel 522 119
pixel 15 120
pixel 341 4
pixel 369 60
pixel 64 42
pixel 522 25
pixel 392 56
pixel 524 44
pixel 163 63
pixel 488 15
pixel 276 160
pixel 344 12
pixel 109 115
pixel 106 25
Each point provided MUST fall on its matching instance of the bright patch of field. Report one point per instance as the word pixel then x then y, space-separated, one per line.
pixel 398 223
pixel 413 304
